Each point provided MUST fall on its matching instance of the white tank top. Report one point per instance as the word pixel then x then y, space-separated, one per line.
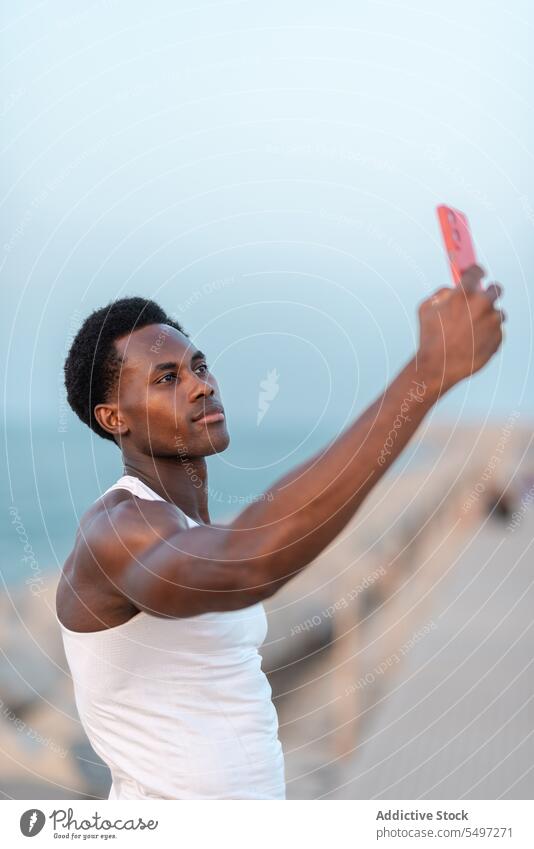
pixel 179 708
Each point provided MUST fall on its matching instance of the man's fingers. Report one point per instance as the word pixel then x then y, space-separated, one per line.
pixel 442 295
pixel 472 278
pixel 494 292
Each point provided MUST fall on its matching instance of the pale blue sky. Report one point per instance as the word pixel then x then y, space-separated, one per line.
pixel 269 173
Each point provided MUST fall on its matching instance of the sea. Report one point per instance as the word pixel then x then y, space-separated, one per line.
pixel 52 475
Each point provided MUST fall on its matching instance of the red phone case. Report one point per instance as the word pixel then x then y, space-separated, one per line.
pixel 458 242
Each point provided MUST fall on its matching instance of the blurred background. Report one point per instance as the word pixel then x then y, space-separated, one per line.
pixel 269 174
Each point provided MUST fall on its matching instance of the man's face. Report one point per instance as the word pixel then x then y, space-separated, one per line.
pixel 164 386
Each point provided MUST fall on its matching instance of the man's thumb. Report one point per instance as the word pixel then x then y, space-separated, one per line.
pixel 471 279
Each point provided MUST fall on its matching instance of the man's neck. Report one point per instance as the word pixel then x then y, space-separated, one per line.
pixel 183 482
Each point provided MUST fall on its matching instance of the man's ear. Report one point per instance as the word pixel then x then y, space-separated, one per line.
pixel 110 419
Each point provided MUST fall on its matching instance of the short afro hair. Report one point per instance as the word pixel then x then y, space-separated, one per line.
pixel 93 363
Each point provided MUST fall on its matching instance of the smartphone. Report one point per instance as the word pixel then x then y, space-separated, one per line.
pixel 458 242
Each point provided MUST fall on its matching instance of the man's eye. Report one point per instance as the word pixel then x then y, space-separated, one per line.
pixel 204 366
pixel 163 380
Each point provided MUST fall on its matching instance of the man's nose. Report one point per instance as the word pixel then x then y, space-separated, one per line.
pixel 201 388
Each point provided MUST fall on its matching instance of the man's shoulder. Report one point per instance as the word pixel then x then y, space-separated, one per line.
pixel 119 526
pixel 114 531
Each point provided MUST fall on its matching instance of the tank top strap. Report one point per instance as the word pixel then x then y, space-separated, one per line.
pixel 141 490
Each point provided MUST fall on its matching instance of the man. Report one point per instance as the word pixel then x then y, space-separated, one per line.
pixel 160 610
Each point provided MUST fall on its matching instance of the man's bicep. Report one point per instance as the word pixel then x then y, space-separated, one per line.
pixel 189 573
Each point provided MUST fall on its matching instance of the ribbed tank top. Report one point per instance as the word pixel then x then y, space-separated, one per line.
pixel 179 708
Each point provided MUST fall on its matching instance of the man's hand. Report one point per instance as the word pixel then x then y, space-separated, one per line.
pixel 460 330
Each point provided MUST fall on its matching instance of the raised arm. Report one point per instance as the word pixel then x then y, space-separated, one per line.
pixel 224 568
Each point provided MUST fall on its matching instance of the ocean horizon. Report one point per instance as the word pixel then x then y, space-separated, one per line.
pixel 53 476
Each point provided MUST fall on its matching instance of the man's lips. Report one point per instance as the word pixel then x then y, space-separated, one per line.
pixel 213 413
